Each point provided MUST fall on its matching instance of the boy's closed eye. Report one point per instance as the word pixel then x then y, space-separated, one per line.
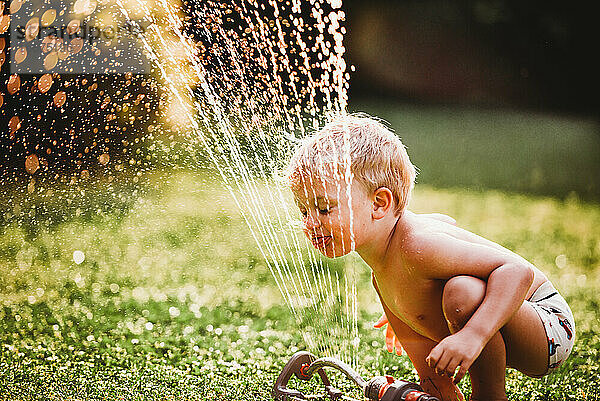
pixel 325 211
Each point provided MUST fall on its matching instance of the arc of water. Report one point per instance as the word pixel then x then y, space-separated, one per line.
pixel 272 254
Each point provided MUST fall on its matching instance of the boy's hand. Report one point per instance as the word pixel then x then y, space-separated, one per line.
pixel 390 338
pixel 458 350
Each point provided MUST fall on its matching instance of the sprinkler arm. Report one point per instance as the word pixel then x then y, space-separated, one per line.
pixel 339 365
pixel 298 365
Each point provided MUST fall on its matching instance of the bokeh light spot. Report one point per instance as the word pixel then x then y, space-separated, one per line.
pixel 50 61
pixel 13 125
pixel 14 83
pixel 32 163
pixel 20 55
pixel 48 17
pixel 78 257
pixel 60 98
pixel 45 83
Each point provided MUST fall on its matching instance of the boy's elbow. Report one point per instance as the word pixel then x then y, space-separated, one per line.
pixel 520 272
pixel 527 274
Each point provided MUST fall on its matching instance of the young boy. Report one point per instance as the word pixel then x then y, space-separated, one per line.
pixel 456 302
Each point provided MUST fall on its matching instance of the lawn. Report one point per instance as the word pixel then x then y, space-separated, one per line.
pixel 173 300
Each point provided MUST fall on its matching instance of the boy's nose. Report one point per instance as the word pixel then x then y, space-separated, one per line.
pixel 311 221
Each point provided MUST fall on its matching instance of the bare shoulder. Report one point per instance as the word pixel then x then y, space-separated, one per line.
pixel 440 217
pixel 422 230
pixel 439 250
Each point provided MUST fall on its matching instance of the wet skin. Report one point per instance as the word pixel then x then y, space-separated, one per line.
pixel 413 257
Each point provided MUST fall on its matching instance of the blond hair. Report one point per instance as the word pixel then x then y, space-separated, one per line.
pixel 376 156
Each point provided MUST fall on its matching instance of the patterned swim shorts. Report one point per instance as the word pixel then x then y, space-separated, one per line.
pixel 558 322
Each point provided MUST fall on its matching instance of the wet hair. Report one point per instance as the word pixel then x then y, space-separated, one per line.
pixel 362 146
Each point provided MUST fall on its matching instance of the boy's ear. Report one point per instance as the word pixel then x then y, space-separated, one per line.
pixel 383 202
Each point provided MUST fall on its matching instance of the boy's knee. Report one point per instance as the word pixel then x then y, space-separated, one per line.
pixel 461 297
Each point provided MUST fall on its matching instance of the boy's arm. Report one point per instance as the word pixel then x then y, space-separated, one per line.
pixel 441 256
pixel 417 348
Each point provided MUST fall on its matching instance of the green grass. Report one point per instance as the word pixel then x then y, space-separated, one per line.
pixel 174 301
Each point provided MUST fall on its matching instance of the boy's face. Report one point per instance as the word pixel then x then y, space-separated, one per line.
pixel 330 222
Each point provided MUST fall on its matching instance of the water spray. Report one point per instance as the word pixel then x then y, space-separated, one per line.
pixel 304 365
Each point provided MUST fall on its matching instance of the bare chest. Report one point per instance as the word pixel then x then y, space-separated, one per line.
pixel 415 301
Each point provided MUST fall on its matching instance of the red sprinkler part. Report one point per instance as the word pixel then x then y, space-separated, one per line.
pixel 415 395
pixel 303 370
pixel 390 380
pixel 386 388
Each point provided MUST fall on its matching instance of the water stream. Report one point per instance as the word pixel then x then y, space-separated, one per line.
pixel 244 82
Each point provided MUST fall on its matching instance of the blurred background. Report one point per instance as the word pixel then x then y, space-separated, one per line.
pixel 485 94
pixel 492 93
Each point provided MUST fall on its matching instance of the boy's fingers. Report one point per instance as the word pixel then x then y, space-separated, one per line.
pixel 389 339
pixel 451 368
pixel 433 357
pixel 398 346
pixel 381 322
pixel 462 371
pixel 431 361
pixel 442 363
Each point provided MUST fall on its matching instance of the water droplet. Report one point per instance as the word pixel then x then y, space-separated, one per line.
pixel 335 3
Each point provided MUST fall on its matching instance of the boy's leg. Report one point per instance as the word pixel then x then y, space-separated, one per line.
pixel 462 296
pixel 521 343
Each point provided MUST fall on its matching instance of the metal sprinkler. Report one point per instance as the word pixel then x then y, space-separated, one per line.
pixel 380 388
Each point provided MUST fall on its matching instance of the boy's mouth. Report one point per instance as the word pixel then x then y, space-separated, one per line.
pixel 321 241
